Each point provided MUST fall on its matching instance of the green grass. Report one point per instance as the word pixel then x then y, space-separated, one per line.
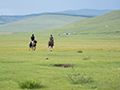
pixel 30 84
pixel 100 59
pixel 18 64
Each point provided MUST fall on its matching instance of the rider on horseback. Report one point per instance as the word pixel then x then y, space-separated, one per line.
pixel 32 37
pixel 52 39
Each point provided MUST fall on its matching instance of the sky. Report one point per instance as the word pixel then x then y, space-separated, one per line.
pixel 24 7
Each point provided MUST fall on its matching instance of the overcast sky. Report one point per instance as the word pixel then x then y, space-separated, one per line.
pixel 23 7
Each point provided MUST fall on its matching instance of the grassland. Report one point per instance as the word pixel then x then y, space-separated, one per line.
pixel 99 59
pixel 39 23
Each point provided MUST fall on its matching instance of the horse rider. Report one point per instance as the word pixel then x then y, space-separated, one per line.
pixel 52 39
pixel 32 37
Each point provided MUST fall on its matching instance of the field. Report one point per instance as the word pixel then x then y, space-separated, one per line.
pixel 93 53
pixel 99 59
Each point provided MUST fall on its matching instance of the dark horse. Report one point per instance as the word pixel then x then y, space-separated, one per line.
pixel 50 43
pixel 32 45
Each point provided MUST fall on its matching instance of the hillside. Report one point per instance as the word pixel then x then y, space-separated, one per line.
pixel 8 18
pixel 4 19
pixel 89 12
pixel 107 24
pixel 39 23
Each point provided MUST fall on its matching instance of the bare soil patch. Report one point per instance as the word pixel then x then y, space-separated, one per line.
pixel 63 65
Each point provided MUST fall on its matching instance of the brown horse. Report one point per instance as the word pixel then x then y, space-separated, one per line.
pixel 50 43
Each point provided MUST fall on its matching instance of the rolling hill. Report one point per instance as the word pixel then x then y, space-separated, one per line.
pixel 8 18
pixel 4 19
pixel 105 24
pixel 88 12
pixel 39 23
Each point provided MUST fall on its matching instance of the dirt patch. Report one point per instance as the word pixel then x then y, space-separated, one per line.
pixel 63 65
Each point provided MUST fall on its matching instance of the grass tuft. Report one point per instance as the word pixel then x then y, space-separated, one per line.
pixel 79 78
pixel 30 84
pixel 80 51
pixel 87 58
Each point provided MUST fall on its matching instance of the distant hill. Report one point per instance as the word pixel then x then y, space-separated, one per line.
pixel 9 18
pixel 88 12
pixel 39 23
pixel 4 19
pixel 108 23
pixel 105 23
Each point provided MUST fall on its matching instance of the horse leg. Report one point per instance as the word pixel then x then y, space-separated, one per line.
pixel 30 48
pixel 48 48
pixel 34 48
pixel 51 48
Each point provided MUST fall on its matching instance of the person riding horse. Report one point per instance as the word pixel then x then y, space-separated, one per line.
pixel 32 37
pixel 33 42
pixel 52 39
pixel 51 43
